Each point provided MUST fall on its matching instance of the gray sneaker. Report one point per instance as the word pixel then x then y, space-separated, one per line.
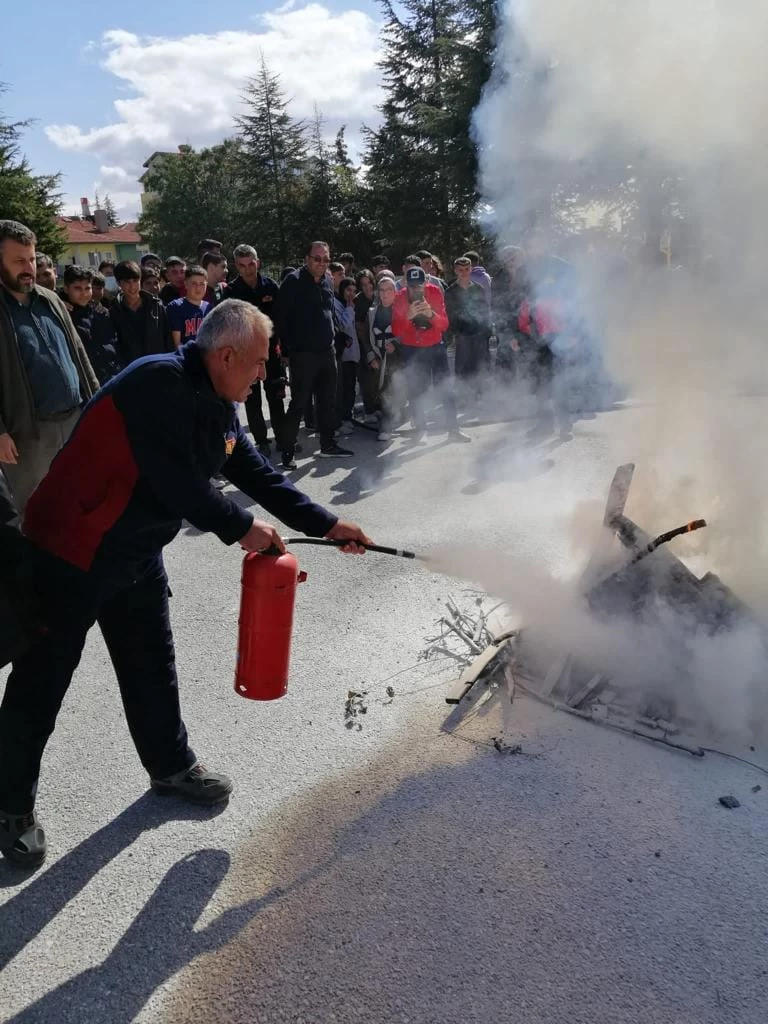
pixel 197 784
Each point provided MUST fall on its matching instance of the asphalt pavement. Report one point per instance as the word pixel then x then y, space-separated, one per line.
pixel 395 872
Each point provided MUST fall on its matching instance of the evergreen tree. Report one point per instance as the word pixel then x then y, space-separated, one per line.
pixel 274 163
pixel 111 212
pixel 319 201
pixel 335 205
pixel 32 199
pixel 195 194
pixel 422 161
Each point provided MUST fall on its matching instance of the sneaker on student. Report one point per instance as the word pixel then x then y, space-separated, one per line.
pixel 334 451
pixel 197 784
pixel 22 839
pixel 219 482
pixel 384 435
pixel 346 428
pixel 456 435
pixel 289 462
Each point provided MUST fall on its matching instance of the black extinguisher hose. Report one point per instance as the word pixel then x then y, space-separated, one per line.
pixel 378 548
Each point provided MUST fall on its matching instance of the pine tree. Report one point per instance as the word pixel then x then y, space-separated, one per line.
pixel 319 201
pixel 335 204
pixel 32 199
pixel 111 212
pixel 274 163
pixel 422 161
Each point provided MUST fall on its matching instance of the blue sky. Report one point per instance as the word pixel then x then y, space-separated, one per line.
pixel 175 72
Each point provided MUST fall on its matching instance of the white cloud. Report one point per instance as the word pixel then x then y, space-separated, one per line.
pixel 188 89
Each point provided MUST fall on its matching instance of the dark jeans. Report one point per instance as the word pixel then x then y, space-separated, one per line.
pixel 254 412
pixel 472 355
pixel 311 372
pixel 424 367
pixel 347 388
pixel 369 386
pixel 133 616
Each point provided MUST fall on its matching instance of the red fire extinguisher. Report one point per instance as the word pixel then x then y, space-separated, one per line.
pixel 266 618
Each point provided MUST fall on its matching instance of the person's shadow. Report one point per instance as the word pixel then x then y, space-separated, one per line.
pixel 28 912
pixel 160 941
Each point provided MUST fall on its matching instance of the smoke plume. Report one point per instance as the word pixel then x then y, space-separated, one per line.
pixel 631 139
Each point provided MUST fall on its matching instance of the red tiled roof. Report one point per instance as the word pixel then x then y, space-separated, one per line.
pixel 83 232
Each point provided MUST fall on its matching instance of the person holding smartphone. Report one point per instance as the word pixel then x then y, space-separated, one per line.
pixel 419 320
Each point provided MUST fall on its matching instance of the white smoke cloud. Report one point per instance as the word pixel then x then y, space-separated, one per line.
pixel 656 90
pixel 187 89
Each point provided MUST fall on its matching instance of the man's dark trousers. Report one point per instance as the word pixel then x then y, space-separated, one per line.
pixel 311 372
pixel 274 390
pixel 132 612
pixel 424 367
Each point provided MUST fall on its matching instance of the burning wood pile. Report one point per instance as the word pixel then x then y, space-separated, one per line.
pixel 637 581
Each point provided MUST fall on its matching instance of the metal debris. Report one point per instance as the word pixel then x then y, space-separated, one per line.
pixel 355 706
pixel 506 748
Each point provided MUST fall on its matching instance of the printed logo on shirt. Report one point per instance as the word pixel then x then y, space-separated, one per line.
pixel 191 327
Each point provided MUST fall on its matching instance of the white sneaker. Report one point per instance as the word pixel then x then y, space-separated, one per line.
pixel 346 428
pixel 384 435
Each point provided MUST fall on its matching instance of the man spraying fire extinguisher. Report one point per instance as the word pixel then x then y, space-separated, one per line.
pixel 140 461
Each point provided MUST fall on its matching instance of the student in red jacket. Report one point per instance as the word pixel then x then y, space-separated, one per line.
pixel 419 320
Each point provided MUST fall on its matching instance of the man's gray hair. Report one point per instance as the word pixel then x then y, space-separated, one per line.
pixel 16 232
pixel 244 250
pixel 232 323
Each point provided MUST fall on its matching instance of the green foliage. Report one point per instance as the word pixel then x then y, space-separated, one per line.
pixel 197 195
pixel 111 212
pixel 32 199
pixel 422 162
pixel 273 159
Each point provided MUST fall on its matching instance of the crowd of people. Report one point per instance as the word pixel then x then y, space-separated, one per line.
pixel 393 343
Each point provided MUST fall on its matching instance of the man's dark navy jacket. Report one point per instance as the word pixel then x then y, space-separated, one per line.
pixel 140 460
pixel 304 314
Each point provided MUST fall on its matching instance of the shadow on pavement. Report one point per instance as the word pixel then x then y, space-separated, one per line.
pixel 506 888
pixel 161 940
pixel 27 913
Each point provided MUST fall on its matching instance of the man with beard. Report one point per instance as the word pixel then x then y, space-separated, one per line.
pixel 45 374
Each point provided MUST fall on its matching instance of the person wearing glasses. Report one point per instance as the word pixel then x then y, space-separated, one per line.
pixel 306 328
pixel 45 373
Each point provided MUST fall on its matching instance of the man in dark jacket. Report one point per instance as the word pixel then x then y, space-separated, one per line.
pixel 99 522
pixel 511 288
pixel 469 326
pixel 252 286
pixel 139 319
pixel 307 330
pixel 45 374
